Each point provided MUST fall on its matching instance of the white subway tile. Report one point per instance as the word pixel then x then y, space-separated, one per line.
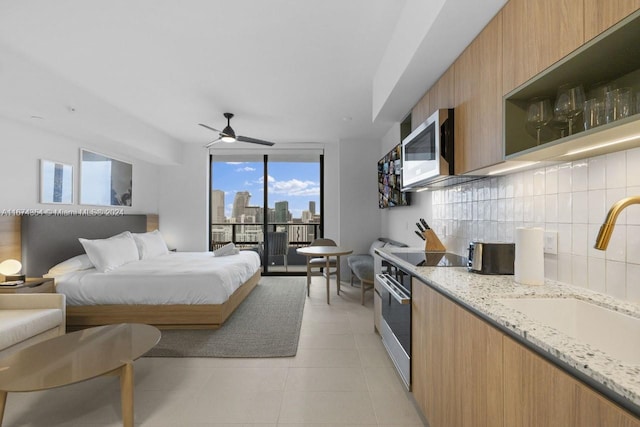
pixel 509 186
pixel 551 208
pixel 579 175
pixel 527 180
pixel 502 187
pixel 564 178
pixel 565 240
pixel 580 207
pixel 494 188
pixel 633 167
pixel 539 180
pixel 551 180
pixel 551 267
pixel 616 279
pixel 502 208
pixel 597 275
pixel 539 209
pixel 597 172
pixel 518 184
pixel 617 170
pixel 591 240
pixel 633 244
pixel 596 206
pixel 612 196
pixel 518 209
pixel 633 211
pixel 579 234
pixel 633 284
pixel 508 209
pixel 580 271
pixel 564 268
pixel 527 209
pixel 564 207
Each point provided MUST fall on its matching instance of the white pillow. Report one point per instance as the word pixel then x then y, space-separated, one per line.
pixel 228 249
pixel 150 245
pixel 109 254
pixel 77 263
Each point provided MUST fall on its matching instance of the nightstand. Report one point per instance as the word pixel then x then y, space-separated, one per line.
pixel 33 285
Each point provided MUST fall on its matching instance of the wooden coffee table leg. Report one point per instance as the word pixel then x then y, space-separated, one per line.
pixel 3 402
pixel 126 394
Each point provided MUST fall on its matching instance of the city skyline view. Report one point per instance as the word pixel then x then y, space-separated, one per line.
pixel 296 183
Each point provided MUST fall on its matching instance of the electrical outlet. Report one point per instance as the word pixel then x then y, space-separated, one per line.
pixel 551 242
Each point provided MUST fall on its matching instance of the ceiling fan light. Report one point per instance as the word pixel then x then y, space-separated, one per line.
pixel 227 138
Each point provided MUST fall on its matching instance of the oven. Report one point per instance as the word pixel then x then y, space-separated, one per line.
pixel 394 286
pixel 395 325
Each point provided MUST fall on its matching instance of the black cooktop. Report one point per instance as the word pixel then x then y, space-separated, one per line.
pixel 432 259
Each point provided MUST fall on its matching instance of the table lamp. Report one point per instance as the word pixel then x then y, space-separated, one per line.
pixel 10 269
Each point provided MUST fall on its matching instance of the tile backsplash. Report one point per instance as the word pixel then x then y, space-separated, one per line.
pixel 569 198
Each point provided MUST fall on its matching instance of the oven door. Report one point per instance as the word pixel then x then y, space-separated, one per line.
pixel 396 323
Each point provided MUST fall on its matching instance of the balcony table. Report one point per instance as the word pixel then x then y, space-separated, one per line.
pixel 327 252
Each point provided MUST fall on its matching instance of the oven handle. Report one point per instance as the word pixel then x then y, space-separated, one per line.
pixel 388 283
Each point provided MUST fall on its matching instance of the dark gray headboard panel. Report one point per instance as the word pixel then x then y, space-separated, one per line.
pixel 48 240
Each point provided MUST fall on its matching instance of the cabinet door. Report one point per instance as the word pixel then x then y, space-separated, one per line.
pixel 537 394
pixel 442 93
pixel 478 101
pixel 537 33
pixel 456 363
pixel 602 14
pixel 420 112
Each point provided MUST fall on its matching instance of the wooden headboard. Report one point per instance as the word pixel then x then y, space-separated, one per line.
pixel 48 240
pixel 10 247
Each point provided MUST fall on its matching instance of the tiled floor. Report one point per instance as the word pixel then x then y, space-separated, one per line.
pixel 341 376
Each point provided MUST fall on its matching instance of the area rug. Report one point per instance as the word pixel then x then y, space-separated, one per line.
pixel 266 324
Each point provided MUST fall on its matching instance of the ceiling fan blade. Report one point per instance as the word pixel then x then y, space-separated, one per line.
pixel 254 140
pixel 215 141
pixel 210 128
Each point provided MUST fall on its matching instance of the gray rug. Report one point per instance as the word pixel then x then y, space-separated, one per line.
pixel 266 324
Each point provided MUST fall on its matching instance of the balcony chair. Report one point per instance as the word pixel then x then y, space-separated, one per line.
pixel 278 245
pixel 320 263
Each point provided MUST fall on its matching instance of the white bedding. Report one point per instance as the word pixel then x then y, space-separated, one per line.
pixel 174 278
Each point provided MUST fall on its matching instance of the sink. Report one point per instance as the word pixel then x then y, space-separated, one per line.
pixel 616 334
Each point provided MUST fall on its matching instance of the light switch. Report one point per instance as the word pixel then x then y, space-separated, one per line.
pixel 551 242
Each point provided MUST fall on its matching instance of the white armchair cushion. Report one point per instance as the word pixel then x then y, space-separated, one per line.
pixel 21 324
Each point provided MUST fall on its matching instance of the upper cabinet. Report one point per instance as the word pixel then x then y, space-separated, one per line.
pixel 478 101
pixel 538 33
pixel 602 14
pixel 420 112
pixel 442 93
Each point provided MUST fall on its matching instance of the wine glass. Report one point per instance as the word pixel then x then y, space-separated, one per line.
pixel 569 104
pixel 539 114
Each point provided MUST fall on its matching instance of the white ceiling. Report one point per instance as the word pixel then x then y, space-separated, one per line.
pixel 143 73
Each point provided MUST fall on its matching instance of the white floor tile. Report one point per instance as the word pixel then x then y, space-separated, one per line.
pixel 326 407
pixel 326 379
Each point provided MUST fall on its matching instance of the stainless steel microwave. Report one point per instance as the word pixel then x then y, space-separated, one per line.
pixel 427 152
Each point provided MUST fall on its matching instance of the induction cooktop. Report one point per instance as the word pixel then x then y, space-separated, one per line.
pixel 432 259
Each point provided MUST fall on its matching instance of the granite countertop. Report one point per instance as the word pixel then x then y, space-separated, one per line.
pixel 480 293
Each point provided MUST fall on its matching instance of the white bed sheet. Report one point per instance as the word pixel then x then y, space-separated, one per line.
pixel 174 278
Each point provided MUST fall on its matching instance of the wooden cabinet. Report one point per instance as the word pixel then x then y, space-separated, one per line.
pixel 602 14
pixel 537 394
pixel 478 101
pixel 420 112
pixel 456 363
pixel 538 33
pixel 442 93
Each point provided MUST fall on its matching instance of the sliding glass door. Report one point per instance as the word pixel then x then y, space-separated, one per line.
pixel 268 203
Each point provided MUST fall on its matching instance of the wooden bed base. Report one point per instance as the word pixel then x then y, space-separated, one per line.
pixel 178 316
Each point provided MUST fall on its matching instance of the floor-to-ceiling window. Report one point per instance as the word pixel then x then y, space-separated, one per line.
pixel 270 203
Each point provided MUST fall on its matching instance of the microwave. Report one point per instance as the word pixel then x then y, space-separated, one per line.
pixel 427 152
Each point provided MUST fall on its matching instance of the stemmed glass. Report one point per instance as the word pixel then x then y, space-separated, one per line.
pixel 539 114
pixel 569 104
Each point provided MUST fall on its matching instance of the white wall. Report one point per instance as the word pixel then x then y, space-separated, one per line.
pixel 398 223
pixel 22 147
pixel 184 200
pixel 359 213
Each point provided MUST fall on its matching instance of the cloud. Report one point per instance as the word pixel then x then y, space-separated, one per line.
pixel 269 179
pixel 246 169
pixel 234 163
pixel 294 187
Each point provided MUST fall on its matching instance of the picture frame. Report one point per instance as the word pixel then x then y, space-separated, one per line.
pixel 104 180
pixel 56 182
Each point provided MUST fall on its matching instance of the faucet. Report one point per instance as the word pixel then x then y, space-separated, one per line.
pixel 604 235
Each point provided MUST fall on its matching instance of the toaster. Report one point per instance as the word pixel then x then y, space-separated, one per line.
pixel 491 258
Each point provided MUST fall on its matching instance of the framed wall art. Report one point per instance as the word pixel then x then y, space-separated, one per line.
pixel 56 182
pixel 104 181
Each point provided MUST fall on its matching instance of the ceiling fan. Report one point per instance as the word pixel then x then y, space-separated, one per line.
pixel 229 135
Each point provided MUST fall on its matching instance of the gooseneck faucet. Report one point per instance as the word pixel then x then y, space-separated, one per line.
pixel 604 235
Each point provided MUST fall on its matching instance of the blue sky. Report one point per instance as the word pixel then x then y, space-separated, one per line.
pixel 297 183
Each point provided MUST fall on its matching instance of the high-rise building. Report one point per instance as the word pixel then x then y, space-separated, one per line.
pixel 217 206
pixel 240 202
pixel 312 207
pixel 282 212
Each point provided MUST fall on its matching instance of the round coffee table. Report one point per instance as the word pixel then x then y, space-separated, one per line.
pixel 79 356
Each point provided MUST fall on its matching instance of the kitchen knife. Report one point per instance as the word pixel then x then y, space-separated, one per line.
pixel 424 223
pixel 421 236
pixel 419 227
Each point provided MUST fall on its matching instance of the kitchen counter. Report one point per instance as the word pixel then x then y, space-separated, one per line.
pixel 479 294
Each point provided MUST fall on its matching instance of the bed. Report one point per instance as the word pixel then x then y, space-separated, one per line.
pixel 178 290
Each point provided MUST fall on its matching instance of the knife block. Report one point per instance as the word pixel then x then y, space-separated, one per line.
pixel 432 243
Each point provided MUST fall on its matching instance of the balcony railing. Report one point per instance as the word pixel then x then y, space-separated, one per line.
pixel 251 236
